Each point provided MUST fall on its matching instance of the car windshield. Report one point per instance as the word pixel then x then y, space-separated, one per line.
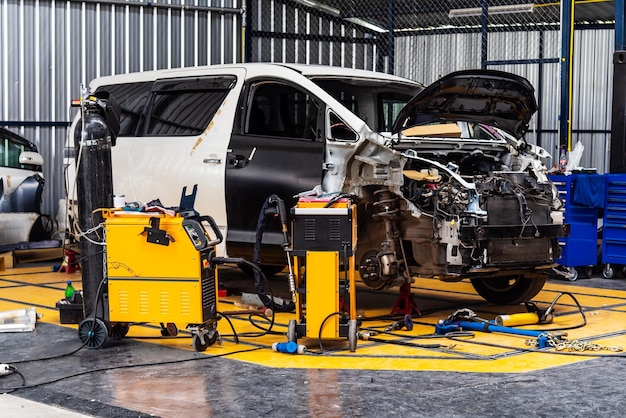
pixel 377 102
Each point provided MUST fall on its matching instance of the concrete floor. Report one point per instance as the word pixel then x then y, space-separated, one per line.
pixel 138 378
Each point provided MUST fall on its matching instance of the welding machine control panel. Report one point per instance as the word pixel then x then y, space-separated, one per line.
pixel 195 232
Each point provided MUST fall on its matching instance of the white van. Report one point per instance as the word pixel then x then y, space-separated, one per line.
pixel 446 185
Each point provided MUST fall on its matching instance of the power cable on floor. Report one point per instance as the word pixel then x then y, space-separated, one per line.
pixel 5 390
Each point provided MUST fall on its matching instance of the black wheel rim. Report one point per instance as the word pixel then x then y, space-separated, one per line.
pixel 92 333
pixel 119 330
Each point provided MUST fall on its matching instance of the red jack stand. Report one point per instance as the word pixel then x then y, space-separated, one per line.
pixel 405 304
pixel 69 265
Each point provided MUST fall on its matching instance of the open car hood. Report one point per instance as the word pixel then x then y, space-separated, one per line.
pixel 494 98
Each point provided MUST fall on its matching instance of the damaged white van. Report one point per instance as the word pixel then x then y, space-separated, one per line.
pixel 446 185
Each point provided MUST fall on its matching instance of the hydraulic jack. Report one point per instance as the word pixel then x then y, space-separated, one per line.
pixel 465 320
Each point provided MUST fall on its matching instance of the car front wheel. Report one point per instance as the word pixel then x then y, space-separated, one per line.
pixel 509 290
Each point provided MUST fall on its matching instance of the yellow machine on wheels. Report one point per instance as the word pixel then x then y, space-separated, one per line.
pixel 324 241
pixel 159 271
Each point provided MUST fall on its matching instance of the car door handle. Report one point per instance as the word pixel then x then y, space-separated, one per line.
pixel 212 161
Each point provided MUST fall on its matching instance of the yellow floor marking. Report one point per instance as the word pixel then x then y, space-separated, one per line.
pixel 605 311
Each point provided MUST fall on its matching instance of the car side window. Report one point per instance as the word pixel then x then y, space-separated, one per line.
pixel 280 110
pixel 184 107
pixel 132 98
pixel 339 130
pixel 10 151
pixel 169 107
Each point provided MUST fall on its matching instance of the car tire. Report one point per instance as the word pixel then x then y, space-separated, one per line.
pixel 509 290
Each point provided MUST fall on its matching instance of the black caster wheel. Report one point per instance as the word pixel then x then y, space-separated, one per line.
pixel 352 337
pixel 608 272
pixel 291 331
pixel 209 339
pixel 119 330
pixel 573 274
pixel 169 330
pixel 92 332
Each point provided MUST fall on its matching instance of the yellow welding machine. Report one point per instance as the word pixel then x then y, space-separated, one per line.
pixel 160 271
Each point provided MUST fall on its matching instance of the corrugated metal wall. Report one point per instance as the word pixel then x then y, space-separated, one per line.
pixel 288 31
pixel 592 89
pixel 49 48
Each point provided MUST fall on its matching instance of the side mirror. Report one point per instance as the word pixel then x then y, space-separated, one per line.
pixel 31 158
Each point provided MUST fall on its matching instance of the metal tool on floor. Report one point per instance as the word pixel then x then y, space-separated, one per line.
pixel 324 239
pixel 160 270
pixel 532 317
pixel 466 320
pixel 406 322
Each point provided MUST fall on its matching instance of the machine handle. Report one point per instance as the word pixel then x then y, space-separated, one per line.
pixel 216 230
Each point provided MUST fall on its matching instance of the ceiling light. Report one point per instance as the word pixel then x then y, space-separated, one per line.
pixel 494 10
pixel 366 24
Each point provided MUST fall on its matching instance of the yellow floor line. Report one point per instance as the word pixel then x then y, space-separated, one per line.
pixel 605 311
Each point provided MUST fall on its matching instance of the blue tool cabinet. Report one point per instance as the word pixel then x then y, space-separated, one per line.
pixel 580 248
pixel 614 224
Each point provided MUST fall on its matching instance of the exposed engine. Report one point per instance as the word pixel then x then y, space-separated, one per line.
pixel 464 215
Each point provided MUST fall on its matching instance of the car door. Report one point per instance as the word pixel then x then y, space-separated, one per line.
pixel 174 134
pixel 278 148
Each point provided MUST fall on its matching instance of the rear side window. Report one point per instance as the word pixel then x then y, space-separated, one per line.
pixel 132 98
pixel 173 107
pixel 186 106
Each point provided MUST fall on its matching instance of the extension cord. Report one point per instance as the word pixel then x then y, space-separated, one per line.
pixel 5 369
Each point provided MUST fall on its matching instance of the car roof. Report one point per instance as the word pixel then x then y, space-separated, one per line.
pixel 253 70
pixel 314 70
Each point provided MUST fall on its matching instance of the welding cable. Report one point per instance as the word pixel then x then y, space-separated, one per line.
pixel 407 343
pixel 98 297
pixel 256 256
pixel 268 302
pixel 338 196
pixel 13 370
pixel 459 334
pixel 466 334
pixel 551 308
pixel 79 259
pixel 319 334
pixel 5 390
pixel 221 315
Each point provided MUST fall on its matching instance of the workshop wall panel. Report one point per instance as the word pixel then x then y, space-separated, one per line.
pixel 48 49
